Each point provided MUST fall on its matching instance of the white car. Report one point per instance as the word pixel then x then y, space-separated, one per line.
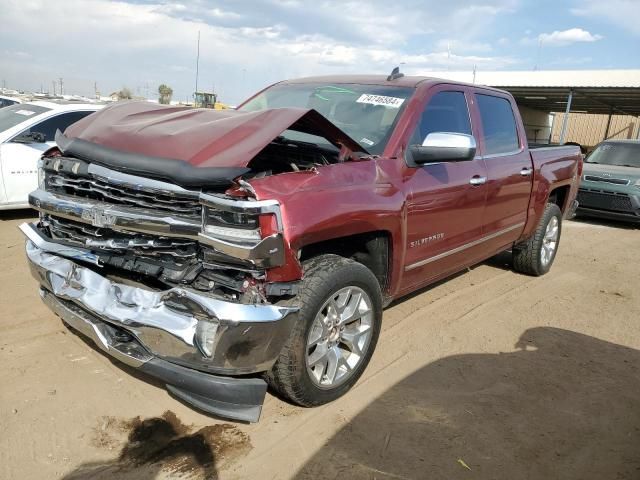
pixel 27 130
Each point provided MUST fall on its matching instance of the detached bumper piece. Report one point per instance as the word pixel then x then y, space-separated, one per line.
pixel 192 342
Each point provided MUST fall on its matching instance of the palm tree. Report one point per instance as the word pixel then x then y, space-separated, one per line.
pixel 125 94
pixel 164 94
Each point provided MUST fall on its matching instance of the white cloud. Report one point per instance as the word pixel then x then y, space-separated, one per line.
pixel 622 13
pixel 566 37
pixel 242 49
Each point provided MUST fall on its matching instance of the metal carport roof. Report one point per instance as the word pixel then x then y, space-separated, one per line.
pixel 578 91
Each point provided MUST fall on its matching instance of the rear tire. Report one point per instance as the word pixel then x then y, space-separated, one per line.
pixel 536 255
pixel 325 354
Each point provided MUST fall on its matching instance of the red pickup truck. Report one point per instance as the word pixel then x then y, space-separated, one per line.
pixel 224 251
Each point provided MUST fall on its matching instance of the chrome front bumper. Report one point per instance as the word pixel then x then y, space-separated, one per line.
pixel 162 325
pixel 248 337
pixel 236 398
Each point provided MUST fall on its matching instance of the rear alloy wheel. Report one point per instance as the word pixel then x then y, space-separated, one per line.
pixel 536 255
pixel 336 332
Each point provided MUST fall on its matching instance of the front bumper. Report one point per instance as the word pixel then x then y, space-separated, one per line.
pixel 609 204
pixel 162 327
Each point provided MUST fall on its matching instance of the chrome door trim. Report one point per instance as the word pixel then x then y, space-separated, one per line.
pixel 462 247
pixel 504 154
pixel 476 181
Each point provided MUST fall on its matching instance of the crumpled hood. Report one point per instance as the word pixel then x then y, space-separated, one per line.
pixel 200 137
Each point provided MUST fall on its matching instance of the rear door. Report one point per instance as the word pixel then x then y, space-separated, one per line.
pixel 20 160
pixel 509 168
pixel 445 200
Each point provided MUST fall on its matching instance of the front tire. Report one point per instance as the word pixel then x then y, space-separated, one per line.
pixel 537 254
pixel 335 335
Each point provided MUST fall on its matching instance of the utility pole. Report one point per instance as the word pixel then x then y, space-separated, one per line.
pixel 53 82
pixel 61 86
pixel 197 61
pixel 95 90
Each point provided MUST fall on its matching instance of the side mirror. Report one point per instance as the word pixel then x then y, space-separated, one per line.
pixel 31 137
pixel 444 147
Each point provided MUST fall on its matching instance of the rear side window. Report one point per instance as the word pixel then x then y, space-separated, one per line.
pixel 60 122
pixel 445 112
pixel 498 125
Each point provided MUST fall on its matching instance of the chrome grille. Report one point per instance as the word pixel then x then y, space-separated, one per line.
pixel 98 238
pixel 615 181
pixel 97 189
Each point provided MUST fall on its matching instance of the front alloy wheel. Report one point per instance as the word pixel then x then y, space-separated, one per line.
pixel 339 336
pixel 333 339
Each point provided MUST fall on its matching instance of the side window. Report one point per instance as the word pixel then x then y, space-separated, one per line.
pixel 445 112
pixel 498 125
pixel 60 122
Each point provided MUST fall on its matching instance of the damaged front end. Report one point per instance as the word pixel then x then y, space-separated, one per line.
pixel 154 246
pixel 153 272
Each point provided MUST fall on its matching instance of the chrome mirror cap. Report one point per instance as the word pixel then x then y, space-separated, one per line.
pixel 449 140
pixel 441 147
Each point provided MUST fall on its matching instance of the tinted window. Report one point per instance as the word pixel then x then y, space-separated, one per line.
pixel 445 112
pixel 15 114
pixel 60 122
pixel 498 125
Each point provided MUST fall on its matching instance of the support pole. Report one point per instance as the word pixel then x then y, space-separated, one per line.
pixel 606 130
pixel 565 120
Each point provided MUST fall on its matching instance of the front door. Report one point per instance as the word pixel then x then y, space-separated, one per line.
pixel 445 201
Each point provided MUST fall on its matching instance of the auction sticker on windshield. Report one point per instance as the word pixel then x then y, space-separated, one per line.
pixel 392 102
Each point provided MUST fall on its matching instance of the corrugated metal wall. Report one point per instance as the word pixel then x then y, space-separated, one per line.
pixel 589 129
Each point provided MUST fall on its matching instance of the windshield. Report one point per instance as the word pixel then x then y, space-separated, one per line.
pixel 367 113
pixel 15 114
pixel 619 154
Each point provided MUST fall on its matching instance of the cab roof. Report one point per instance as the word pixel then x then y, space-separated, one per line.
pixel 407 81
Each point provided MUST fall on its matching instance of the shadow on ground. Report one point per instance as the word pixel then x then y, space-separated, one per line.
pixel 26 213
pixel 162 444
pixel 606 222
pixel 563 406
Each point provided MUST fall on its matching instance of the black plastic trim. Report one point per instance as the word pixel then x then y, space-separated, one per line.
pixel 168 169
pixel 235 398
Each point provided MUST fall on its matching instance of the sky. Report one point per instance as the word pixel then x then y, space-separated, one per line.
pixel 246 45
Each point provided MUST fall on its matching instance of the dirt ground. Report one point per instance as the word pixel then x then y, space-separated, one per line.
pixel 490 374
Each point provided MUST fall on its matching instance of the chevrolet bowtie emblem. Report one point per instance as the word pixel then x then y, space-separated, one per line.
pixel 98 217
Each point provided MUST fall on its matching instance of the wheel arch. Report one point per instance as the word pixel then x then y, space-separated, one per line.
pixel 373 249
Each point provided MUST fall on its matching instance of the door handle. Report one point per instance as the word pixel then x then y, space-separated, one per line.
pixel 525 172
pixel 477 180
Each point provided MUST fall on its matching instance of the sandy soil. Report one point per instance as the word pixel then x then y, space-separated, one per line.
pixel 490 374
